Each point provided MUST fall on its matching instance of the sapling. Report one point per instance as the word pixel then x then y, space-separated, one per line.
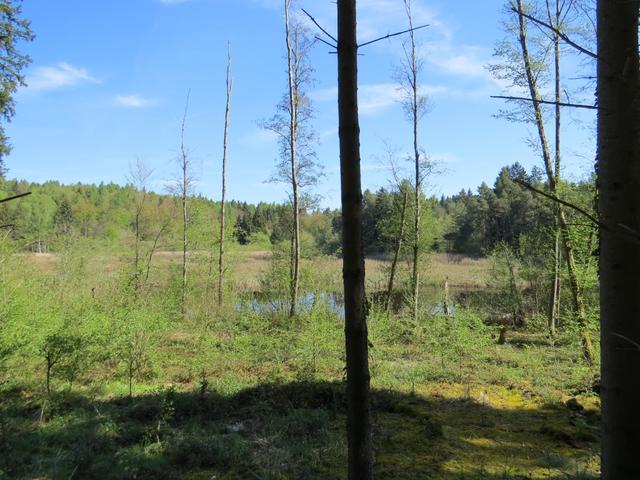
pixel 61 351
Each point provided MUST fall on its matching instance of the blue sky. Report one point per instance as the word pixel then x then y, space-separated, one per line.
pixel 109 80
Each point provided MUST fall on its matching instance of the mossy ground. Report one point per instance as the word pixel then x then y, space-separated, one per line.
pixel 292 431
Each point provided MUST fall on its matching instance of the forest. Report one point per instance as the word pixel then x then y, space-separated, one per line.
pixel 493 333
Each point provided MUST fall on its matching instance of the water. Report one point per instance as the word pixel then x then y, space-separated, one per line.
pixel 334 302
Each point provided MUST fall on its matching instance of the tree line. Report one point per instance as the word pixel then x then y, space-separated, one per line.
pixel 470 223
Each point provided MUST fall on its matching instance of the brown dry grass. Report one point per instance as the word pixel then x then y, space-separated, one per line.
pixel 247 267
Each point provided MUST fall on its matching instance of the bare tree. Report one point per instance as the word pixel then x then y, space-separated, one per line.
pixel 182 189
pixel 166 214
pixel 224 177
pixel 619 207
pixel 359 437
pixel 139 175
pixel 298 164
pixel 415 107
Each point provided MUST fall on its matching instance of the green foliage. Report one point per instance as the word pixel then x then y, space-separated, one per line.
pixel 13 31
pixel 63 355
pixel 506 283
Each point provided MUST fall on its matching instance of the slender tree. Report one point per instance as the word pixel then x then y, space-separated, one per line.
pixel 415 107
pixel 619 208
pixel 183 189
pixel 224 177
pixel 292 69
pixel 292 124
pixel 554 298
pixel 359 437
pixel 139 175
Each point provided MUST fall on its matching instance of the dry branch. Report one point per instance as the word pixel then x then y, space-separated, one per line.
pixel 20 195
pixel 548 102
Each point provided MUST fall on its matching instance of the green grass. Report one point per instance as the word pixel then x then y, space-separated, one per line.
pixel 231 394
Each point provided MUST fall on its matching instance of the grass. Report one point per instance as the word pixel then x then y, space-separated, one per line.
pixel 249 265
pixel 232 394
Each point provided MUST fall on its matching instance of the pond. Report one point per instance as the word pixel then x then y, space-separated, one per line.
pixel 334 301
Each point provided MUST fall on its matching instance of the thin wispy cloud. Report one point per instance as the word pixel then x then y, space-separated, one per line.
pixel 380 17
pixel 374 99
pixel 58 76
pixel 133 101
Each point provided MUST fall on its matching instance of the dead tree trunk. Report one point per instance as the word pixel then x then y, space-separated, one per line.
pixel 446 309
pixel 619 208
pixel 184 190
pixel 224 179
pixel 359 439
pixel 578 303
pixel 396 254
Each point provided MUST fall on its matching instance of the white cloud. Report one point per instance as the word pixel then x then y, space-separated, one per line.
pixel 133 101
pixel 258 136
pixel 58 76
pixel 456 63
pixel 373 15
pixel 374 99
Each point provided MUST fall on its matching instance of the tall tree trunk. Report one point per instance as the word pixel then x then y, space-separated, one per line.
pixel 184 190
pixel 619 207
pixel 415 117
pixel 293 139
pixel 554 303
pixel 359 438
pixel 578 302
pixel 396 254
pixel 224 178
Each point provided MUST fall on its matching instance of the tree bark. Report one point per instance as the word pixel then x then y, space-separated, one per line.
pixel 224 179
pixel 578 302
pixel 359 437
pixel 293 138
pixel 619 205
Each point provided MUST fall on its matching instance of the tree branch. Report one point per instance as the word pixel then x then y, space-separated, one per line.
pixel 322 29
pixel 392 35
pixel 548 102
pixel 578 209
pixel 562 35
pixel 622 230
pixel 20 195
pixel 320 39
